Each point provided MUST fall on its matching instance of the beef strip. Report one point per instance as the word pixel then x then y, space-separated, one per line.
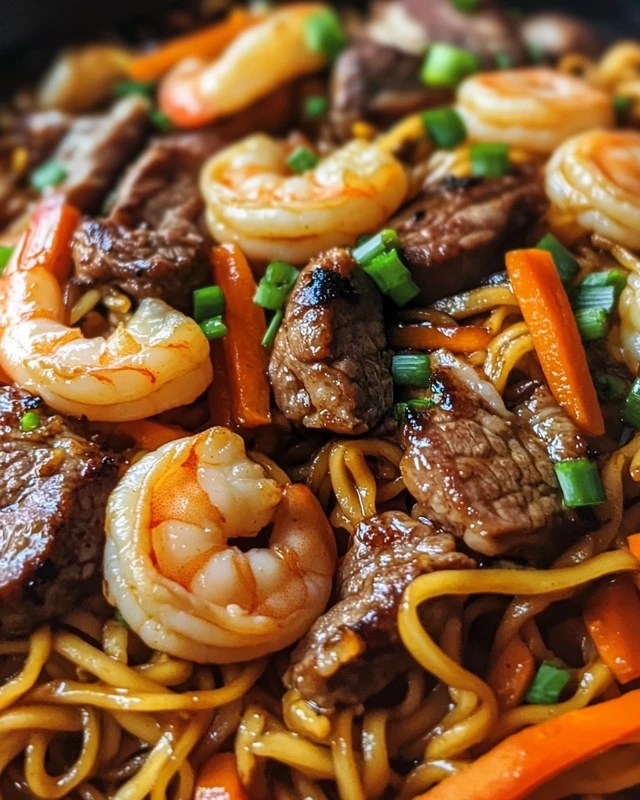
pixel 485 476
pixel 151 245
pixel 97 147
pixel 454 233
pixel 353 651
pixel 487 31
pixel 330 367
pixel 52 505
pixel 377 83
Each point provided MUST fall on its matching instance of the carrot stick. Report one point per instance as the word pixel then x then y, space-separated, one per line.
pixel 47 238
pixel 149 435
pixel 219 394
pixel 245 357
pixel 634 544
pixel 547 311
pixel 219 779
pixel 529 758
pixel 206 43
pixel 512 673
pixel 465 339
pixel 612 617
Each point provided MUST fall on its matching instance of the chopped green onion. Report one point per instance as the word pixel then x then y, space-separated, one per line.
pixel 387 270
pixel 316 107
pixel 446 65
pixel 270 334
pixel 603 297
pixel 51 173
pixel 269 296
pixel 548 684
pixel 30 421
pixel 280 273
pixel 5 255
pixel 411 369
pixel 631 410
pixel 375 245
pixel 405 292
pixel 161 121
pixel 580 483
pixel 323 33
pixel 417 404
pixel 490 159
pixel 610 387
pixel 504 61
pixel 465 5
pixel 608 277
pixel 120 619
pixel 622 105
pixel 566 264
pixel 445 127
pixel 302 159
pixel 214 328
pixel 208 302
pixel 140 88
pixel 593 323
pixel 363 239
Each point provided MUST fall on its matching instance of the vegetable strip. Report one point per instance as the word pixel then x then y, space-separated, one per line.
pixel 524 761
pixel 206 43
pixel 547 311
pixel 465 339
pixel 246 359
pixel 219 779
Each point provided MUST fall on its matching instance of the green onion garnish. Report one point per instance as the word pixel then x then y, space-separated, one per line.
pixel 208 302
pixel 270 334
pixel 610 388
pixel 580 483
pixel 490 159
pixel 548 684
pixel 566 264
pixel 161 121
pixel 603 297
pixel 445 127
pixel 593 323
pixel 214 328
pixel 363 239
pixel 631 410
pixel 5 255
pixel 315 107
pixel 302 159
pixel 280 273
pixel 608 277
pixel 30 421
pixel 269 296
pixel 404 292
pixel 417 404
pixel 375 245
pixel 465 5
pixel 622 105
pixel 51 173
pixel 446 65
pixel 411 369
pixel 140 88
pixel 323 33
pixel 504 61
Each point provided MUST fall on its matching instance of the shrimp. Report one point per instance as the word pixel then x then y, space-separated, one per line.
pixel 156 360
pixel 535 109
pixel 254 201
pixel 175 577
pixel 594 181
pixel 262 58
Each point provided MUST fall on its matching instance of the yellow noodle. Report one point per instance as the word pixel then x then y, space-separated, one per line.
pixel 39 650
pixel 88 301
pixel 375 760
pixel 167 672
pixel 428 315
pixel 477 301
pixel 48 718
pixel 270 467
pixel 419 724
pixel 424 776
pixel 306 788
pixel 288 748
pixel 142 784
pixel 346 769
pixel 142 726
pixel 301 718
pixel 251 727
pixel 115 638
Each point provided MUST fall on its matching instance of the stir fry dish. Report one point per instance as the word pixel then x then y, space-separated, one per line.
pixel 320 410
